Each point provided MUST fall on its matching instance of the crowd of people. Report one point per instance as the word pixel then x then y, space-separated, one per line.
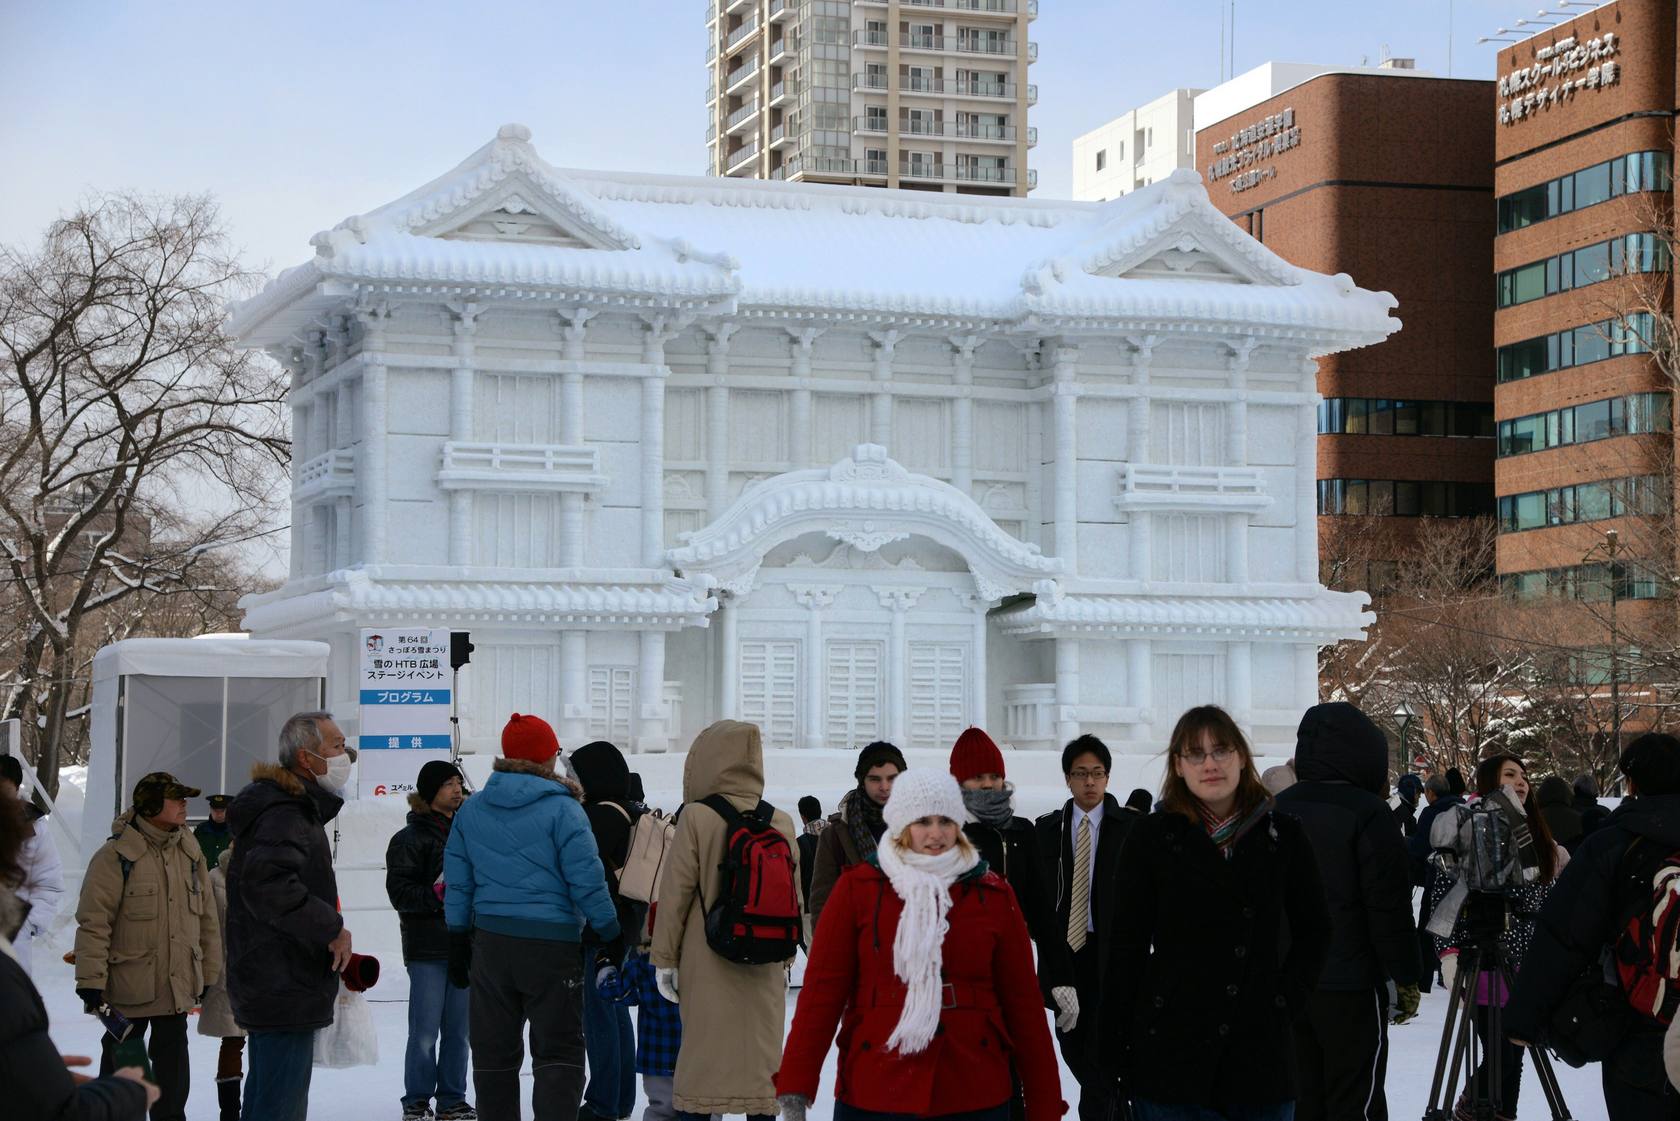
pixel 1232 947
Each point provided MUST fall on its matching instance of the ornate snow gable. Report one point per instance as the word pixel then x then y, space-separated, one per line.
pixel 1182 237
pixel 865 501
pixel 505 192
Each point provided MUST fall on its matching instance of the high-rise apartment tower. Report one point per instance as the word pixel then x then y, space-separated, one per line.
pixel 922 94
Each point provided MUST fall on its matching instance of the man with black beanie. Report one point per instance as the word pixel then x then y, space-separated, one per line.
pixel 1608 880
pixel 857 825
pixel 608 1036
pixel 435 1063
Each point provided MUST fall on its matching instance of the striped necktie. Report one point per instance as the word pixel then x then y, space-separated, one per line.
pixel 1079 912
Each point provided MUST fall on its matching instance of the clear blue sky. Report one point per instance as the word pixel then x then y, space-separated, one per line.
pixel 298 114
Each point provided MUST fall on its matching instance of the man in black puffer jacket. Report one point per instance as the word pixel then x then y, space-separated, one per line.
pixel 435 1062
pixel 1341 763
pixel 608 1037
pixel 1606 881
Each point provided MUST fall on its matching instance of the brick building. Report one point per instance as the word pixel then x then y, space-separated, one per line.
pixel 1373 174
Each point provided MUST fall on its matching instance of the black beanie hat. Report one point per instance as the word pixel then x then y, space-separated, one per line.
pixel 1653 763
pixel 432 777
pixel 875 755
pixel 1140 800
pixel 11 769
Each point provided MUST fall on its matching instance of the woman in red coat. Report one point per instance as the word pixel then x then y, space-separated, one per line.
pixel 923 962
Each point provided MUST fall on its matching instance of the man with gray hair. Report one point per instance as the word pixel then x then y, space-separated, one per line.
pixel 286 943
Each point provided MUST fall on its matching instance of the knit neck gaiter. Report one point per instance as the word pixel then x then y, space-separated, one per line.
pixel 991 807
pixel 924 885
pixel 863 820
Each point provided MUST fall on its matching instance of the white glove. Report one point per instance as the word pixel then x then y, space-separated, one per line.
pixel 794 1106
pixel 1449 970
pixel 1067 1004
pixel 666 979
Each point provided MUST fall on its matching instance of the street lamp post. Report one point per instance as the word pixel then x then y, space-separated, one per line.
pixel 1611 548
pixel 1404 714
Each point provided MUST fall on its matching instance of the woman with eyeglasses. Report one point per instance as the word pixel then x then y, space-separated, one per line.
pixel 1218 938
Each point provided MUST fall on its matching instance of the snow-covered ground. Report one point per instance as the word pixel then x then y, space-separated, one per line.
pixel 371 1093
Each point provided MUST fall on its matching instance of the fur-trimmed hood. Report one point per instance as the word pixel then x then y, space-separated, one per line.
pixel 511 784
pixel 273 785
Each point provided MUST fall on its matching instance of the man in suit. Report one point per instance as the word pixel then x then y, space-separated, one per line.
pixel 1080 844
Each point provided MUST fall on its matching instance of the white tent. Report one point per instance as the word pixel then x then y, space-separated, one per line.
pixel 203 709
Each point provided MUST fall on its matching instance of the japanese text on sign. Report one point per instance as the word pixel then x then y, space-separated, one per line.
pixel 1560 71
pixel 1262 140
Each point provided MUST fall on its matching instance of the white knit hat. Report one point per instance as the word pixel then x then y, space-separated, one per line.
pixel 923 792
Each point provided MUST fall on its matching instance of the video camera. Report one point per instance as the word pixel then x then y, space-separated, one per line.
pixel 1486 848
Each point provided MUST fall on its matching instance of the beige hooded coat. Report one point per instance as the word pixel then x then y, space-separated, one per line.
pixel 150 941
pixel 732 1015
pixel 215 1017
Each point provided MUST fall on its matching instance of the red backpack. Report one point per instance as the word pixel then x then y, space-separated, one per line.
pixel 1647 952
pixel 755 919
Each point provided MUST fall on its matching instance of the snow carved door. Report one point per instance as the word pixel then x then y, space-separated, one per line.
pixel 938 692
pixel 611 700
pixel 853 694
pixel 769 683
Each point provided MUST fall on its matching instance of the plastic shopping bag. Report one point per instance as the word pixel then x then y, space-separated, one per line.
pixel 349 1041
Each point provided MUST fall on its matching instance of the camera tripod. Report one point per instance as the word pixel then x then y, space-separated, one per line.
pixel 1460 1047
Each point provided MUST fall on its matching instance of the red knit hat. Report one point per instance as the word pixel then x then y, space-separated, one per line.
pixel 530 738
pixel 973 754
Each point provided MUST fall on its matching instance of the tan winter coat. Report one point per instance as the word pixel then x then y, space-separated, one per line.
pixel 149 941
pixel 216 1016
pixel 731 1014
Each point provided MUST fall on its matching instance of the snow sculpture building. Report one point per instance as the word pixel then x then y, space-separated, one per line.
pixel 848 463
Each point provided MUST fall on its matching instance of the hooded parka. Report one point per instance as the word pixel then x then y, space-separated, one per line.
pixel 282 903
pixel 991 1019
pixel 146 929
pixel 215 1017
pixel 732 1014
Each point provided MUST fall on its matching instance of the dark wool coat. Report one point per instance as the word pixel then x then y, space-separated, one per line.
pixel 282 903
pixel 38 1085
pixel 1055 848
pixel 1012 852
pixel 413 865
pixel 1341 767
pixel 836 852
pixel 1208 960
pixel 993 1017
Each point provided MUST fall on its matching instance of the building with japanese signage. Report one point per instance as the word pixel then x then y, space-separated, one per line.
pixel 1371 173
pixel 849 463
pixel 1584 156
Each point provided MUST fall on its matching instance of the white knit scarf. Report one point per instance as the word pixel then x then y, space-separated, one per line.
pixel 924 884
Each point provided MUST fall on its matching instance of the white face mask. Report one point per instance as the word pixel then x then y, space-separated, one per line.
pixel 338 772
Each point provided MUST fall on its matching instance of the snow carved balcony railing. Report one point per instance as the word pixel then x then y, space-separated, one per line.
pixel 1029 714
pixel 327 476
pixel 1148 486
pixel 520 467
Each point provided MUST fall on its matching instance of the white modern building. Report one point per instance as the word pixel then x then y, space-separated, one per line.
pixel 1139 147
pixel 844 461
pixel 1269 79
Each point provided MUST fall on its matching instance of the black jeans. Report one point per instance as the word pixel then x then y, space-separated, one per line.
pixel 516 981
pixel 167 1049
pixel 1635 1084
pixel 1096 1092
pixel 1510 1067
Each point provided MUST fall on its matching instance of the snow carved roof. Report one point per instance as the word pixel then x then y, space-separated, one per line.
pixel 865 501
pixel 1324 617
pixel 504 224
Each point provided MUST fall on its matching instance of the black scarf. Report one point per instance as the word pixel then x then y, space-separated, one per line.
pixel 863 820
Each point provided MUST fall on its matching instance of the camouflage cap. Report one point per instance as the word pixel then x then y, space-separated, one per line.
pixel 151 792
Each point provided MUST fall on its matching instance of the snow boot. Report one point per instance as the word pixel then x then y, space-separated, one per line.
pixel 227 1097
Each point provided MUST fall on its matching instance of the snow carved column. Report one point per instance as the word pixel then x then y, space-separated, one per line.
pixel 881 402
pixel 1306 479
pixel 461 430
pixel 815 599
pixel 575 328
pixel 1137 448
pixel 1067 688
pixel 1239 683
pixel 372 467
pixel 653 732
pixel 717 420
pixel 653 447
pixel 1066 399
pixel 978 705
pixel 799 453
pixel 898 600
pixel 1140 679
pixel 729 658
pixel 1236 455
pixel 344 402
pixel 574 685
pixel 962 420
pixel 297 562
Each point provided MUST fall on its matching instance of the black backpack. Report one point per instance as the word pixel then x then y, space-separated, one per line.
pixel 755 919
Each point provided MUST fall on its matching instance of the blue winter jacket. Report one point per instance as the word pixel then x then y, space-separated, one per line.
pixel 521 861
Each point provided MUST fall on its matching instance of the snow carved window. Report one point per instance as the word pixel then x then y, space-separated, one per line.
pixel 504 679
pixel 854 694
pixel 685 426
pixel 938 694
pixel 837 426
pixel 611 701
pixel 511 409
pixel 1184 680
pixel 516 530
pixel 1189 549
pixel 1186 434
pixel 922 435
pixel 769 683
